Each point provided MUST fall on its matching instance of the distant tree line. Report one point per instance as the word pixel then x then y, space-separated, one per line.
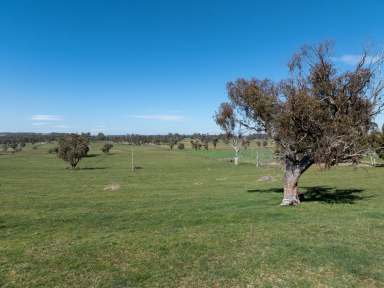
pixel 14 140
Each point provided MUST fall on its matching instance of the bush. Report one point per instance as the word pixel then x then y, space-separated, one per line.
pixel 172 143
pixel 53 150
pixel 107 147
pixel 72 148
pixel 181 146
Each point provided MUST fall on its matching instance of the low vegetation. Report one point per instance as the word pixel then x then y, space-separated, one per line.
pixel 188 219
pixel 72 148
pixel 106 148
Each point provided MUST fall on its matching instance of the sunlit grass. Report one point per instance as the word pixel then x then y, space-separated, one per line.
pixel 186 219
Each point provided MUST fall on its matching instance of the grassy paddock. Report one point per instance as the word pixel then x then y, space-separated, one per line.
pixel 184 220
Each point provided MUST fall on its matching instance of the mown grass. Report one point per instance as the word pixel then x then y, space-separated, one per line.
pixel 184 220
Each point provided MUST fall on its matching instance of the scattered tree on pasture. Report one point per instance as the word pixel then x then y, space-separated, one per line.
pixel 205 144
pixel 265 143
pixel 172 142
pixel 214 142
pixel 100 136
pixel 196 145
pixel 227 120
pixel 376 143
pixel 53 150
pixel 106 147
pixel 245 143
pixel 72 148
pixel 13 146
pixel 318 115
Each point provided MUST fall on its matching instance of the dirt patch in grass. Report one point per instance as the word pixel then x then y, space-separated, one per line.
pixel 112 187
pixel 266 178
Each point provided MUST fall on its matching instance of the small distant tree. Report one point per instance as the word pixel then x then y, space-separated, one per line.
pixel 265 143
pixel 245 143
pixel 196 145
pixel 13 146
pixel 100 136
pixel 107 147
pixel 205 144
pixel 53 150
pixel 72 148
pixel 181 146
pixel 214 142
pixel 172 142
pixel 226 119
pixel 376 143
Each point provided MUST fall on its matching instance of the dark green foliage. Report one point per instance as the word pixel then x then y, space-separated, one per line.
pixel 53 150
pixel 214 142
pixel 196 145
pixel 265 143
pixel 100 137
pixel 107 147
pixel 72 148
pixel 376 143
pixel 180 146
pixel 205 145
pixel 172 142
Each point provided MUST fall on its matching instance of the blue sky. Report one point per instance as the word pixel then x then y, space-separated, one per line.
pixel 156 66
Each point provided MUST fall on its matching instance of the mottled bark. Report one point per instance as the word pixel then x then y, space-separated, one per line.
pixel 293 171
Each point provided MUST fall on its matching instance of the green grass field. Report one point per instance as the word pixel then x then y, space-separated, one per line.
pixel 186 219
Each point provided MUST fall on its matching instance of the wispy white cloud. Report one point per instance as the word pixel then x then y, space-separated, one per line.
pixel 353 59
pixel 43 117
pixel 159 117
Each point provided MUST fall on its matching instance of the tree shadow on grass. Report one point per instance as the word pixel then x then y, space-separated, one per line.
pixel 269 190
pixel 92 155
pixel 323 194
pixel 332 195
pixel 93 168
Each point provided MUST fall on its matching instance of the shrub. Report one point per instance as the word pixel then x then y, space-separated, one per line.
pixel 53 150
pixel 215 141
pixel 181 146
pixel 107 147
pixel 72 148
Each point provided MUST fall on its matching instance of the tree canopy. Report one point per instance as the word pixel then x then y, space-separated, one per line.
pixel 72 148
pixel 319 114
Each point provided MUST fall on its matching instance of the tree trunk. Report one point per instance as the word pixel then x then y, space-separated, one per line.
pixel 293 171
pixel 236 159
